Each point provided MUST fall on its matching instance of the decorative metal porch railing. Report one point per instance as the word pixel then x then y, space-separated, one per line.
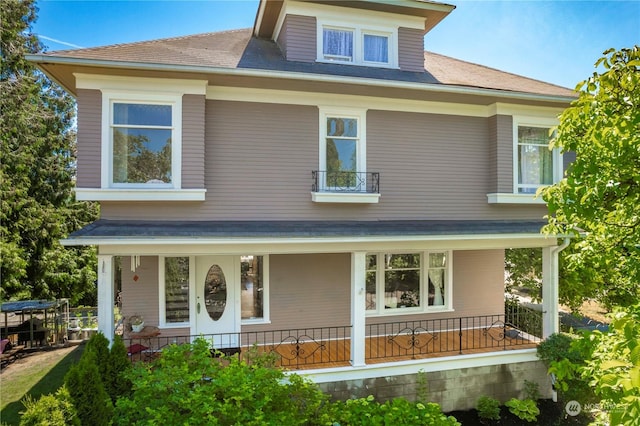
pixel 447 336
pixel 348 182
pixel 322 347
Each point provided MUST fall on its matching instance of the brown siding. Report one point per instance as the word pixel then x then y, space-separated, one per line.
pixel 410 49
pixel 193 141
pixel 259 158
pixel 89 138
pixel 297 39
pixel 310 290
pixel 141 297
pixel 504 128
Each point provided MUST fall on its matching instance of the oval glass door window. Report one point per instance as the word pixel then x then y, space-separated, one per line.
pixel 215 292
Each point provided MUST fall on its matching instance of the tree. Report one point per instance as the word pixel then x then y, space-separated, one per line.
pixel 37 158
pixel 597 202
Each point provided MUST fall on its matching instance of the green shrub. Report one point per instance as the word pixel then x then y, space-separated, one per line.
pixel 531 390
pixel 116 383
pixel 53 410
pixel 557 347
pixel 187 386
pixel 488 408
pixel 525 409
pixel 87 392
pixel 366 412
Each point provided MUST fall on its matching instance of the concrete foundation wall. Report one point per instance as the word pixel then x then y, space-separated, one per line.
pixel 453 389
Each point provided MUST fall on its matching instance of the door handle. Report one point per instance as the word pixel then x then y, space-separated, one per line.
pixel 198 307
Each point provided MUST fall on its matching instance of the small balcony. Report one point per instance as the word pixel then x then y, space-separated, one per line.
pixel 345 187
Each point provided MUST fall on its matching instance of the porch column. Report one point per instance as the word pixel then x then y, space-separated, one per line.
pixel 105 297
pixel 358 308
pixel 549 291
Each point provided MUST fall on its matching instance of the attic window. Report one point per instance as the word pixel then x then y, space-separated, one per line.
pixel 357 45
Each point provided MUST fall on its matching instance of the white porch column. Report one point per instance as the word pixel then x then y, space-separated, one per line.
pixel 358 308
pixel 105 297
pixel 549 291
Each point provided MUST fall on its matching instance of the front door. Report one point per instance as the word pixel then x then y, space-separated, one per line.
pixel 217 286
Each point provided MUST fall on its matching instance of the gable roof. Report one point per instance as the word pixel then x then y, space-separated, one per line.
pixel 238 50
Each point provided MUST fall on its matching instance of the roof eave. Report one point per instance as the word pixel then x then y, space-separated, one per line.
pixel 42 60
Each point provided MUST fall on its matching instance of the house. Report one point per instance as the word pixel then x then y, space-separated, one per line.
pixel 320 186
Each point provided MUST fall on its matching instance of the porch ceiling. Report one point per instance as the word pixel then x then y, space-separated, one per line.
pixel 125 232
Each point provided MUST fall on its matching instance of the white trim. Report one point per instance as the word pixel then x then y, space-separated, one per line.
pixel 139 194
pixel 358 317
pixel 347 197
pixel 109 98
pixel 242 94
pixel 533 112
pixel 511 198
pixel 423 365
pixel 275 245
pixel 159 86
pixel 106 295
pixel 162 314
pixel 539 122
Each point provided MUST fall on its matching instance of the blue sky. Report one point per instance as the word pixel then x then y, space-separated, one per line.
pixel 553 41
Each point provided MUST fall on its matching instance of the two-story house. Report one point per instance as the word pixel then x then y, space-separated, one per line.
pixel 320 186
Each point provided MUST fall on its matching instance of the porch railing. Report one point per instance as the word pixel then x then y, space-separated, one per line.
pixel 331 346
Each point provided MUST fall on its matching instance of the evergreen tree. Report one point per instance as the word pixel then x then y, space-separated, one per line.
pixel 37 167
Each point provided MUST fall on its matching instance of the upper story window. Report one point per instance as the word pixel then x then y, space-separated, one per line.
pixel 408 282
pixel 143 141
pixel 141 136
pixel 357 45
pixel 535 165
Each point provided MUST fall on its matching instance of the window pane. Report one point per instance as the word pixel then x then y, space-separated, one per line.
pixel 176 288
pixel 402 288
pixel 341 155
pixel 142 114
pixel 376 48
pixel 395 261
pixel 345 127
pixel 372 261
pixel 370 296
pixel 252 282
pixel 437 260
pixel 338 44
pixel 535 160
pixel 141 155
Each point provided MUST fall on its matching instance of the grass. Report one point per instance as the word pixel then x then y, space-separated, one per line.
pixel 40 378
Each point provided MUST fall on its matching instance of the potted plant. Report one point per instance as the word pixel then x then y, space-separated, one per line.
pixel 137 323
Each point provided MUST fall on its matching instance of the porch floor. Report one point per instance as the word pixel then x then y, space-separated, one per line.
pixel 336 353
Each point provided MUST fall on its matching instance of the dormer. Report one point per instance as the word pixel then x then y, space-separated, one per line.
pixel 371 33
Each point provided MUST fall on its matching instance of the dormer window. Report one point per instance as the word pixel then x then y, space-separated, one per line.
pixel 357 45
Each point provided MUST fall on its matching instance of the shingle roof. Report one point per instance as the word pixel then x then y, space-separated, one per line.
pixel 237 49
pixel 136 229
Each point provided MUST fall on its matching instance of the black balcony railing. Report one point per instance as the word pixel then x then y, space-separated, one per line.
pixel 349 182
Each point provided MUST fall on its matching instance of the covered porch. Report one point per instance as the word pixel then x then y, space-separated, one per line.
pixel 319 281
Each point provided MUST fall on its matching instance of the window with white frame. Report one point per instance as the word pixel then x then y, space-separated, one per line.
pixel 357 45
pixel 407 282
pixel 342 150
pixel 535 165
pixel 174 293
pixel 143 141
pixel 254 288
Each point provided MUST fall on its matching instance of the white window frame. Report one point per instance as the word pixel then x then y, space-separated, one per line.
pixel 361 143
pixel 109 98
pixel 424 290
pixel 359 31
pixel 539 122
pixel 266 316
pixel 162 314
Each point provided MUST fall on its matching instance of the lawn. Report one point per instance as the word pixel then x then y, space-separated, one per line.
pixel 35 374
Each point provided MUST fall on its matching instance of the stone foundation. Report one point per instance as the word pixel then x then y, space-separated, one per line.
pixel 452 389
